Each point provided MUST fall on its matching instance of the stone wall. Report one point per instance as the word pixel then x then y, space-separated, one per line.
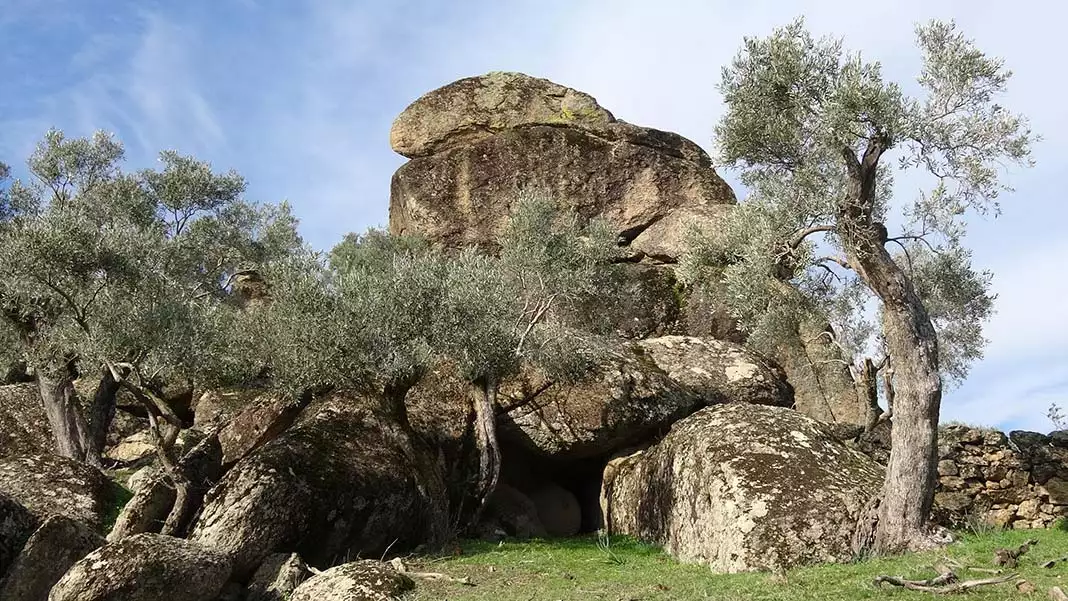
pixel 1016 481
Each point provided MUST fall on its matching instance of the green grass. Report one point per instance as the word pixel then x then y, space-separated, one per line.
pixel 626 570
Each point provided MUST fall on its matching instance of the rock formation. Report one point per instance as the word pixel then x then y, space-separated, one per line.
pixel 364 580
pixel 646 387
pixel 46 557
pixel 743 488
pixel 345 481
pixel 146 567
pixel 475 142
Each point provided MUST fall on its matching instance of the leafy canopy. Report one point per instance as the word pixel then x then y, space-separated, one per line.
pixel 800 112
pixel 100 265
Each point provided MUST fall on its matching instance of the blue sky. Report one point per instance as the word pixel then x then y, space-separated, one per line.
pixel 299 98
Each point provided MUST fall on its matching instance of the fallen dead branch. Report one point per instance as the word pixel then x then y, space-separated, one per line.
pixel 1056 594
pixel 436 576
pixel 943 584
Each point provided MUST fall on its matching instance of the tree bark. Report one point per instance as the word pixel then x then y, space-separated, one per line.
pixel 913 343
pixel 868 390
pixel 102 412
pixel 489 449
pixel 65 416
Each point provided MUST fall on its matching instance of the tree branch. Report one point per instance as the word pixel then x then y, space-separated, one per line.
pixel 798 237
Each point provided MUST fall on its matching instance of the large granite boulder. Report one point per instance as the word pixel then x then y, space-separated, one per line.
pixel 474 108
pixel 643 388
pixel 17 524
pixel 46 557
pixel 364 580
pixel 668 239
pixel 262 420
pixel 146 567
pixel 346 480
pixel 276 578
pixel 743 487
pixel 23 424
pixel 478 140
pixel 50 485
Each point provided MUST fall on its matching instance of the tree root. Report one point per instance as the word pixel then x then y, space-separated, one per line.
pixel 943 584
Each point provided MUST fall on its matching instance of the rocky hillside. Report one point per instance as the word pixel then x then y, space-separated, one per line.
pixel 679 434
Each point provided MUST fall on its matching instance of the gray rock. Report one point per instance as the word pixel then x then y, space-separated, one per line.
pixel 1026 440
pixel 17 524
pixel 50 485
pixel 464 196
pixel 277 577
pixel 46 557
pixel 514 512
pixel 644 387
pixel 666 240
pixel 365 580
pixel 145 567
pixel 1059 439
pixel 23 424
pixel 743 487
pixel 262 420
pixel 344 481
pixel 474 108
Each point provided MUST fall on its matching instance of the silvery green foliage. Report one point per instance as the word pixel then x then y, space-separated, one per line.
pixel 795 105
pixel 100 265
pixel 381 309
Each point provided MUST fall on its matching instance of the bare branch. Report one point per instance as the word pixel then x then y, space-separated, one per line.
pixel 799 236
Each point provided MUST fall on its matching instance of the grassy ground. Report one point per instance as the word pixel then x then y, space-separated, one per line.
pixel 630 571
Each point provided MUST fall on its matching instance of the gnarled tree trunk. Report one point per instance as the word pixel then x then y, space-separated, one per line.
pixel 913 343
pixel 65 416
pixel 489 450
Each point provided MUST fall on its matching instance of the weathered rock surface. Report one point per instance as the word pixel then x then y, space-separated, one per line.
pixel 463 196
pixel 218 406
pixel 147 510
pixel 50 485
pixel 666 240
pixel 138 447
pixel 17 524
pixel 823 386
pixel 154 494
pixel 474 142
pixel 365 580
pixel 646 387
pixel 277 577
pixel 146 567
pixel 344 481
pixel 478 107
pixel 260 421
pixel 46 557
pixel 743 487
pixel 23 424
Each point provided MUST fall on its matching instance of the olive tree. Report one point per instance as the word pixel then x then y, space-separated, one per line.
pixel 380 310
pixel 126 278
pixel 818 135
pixel 524 307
